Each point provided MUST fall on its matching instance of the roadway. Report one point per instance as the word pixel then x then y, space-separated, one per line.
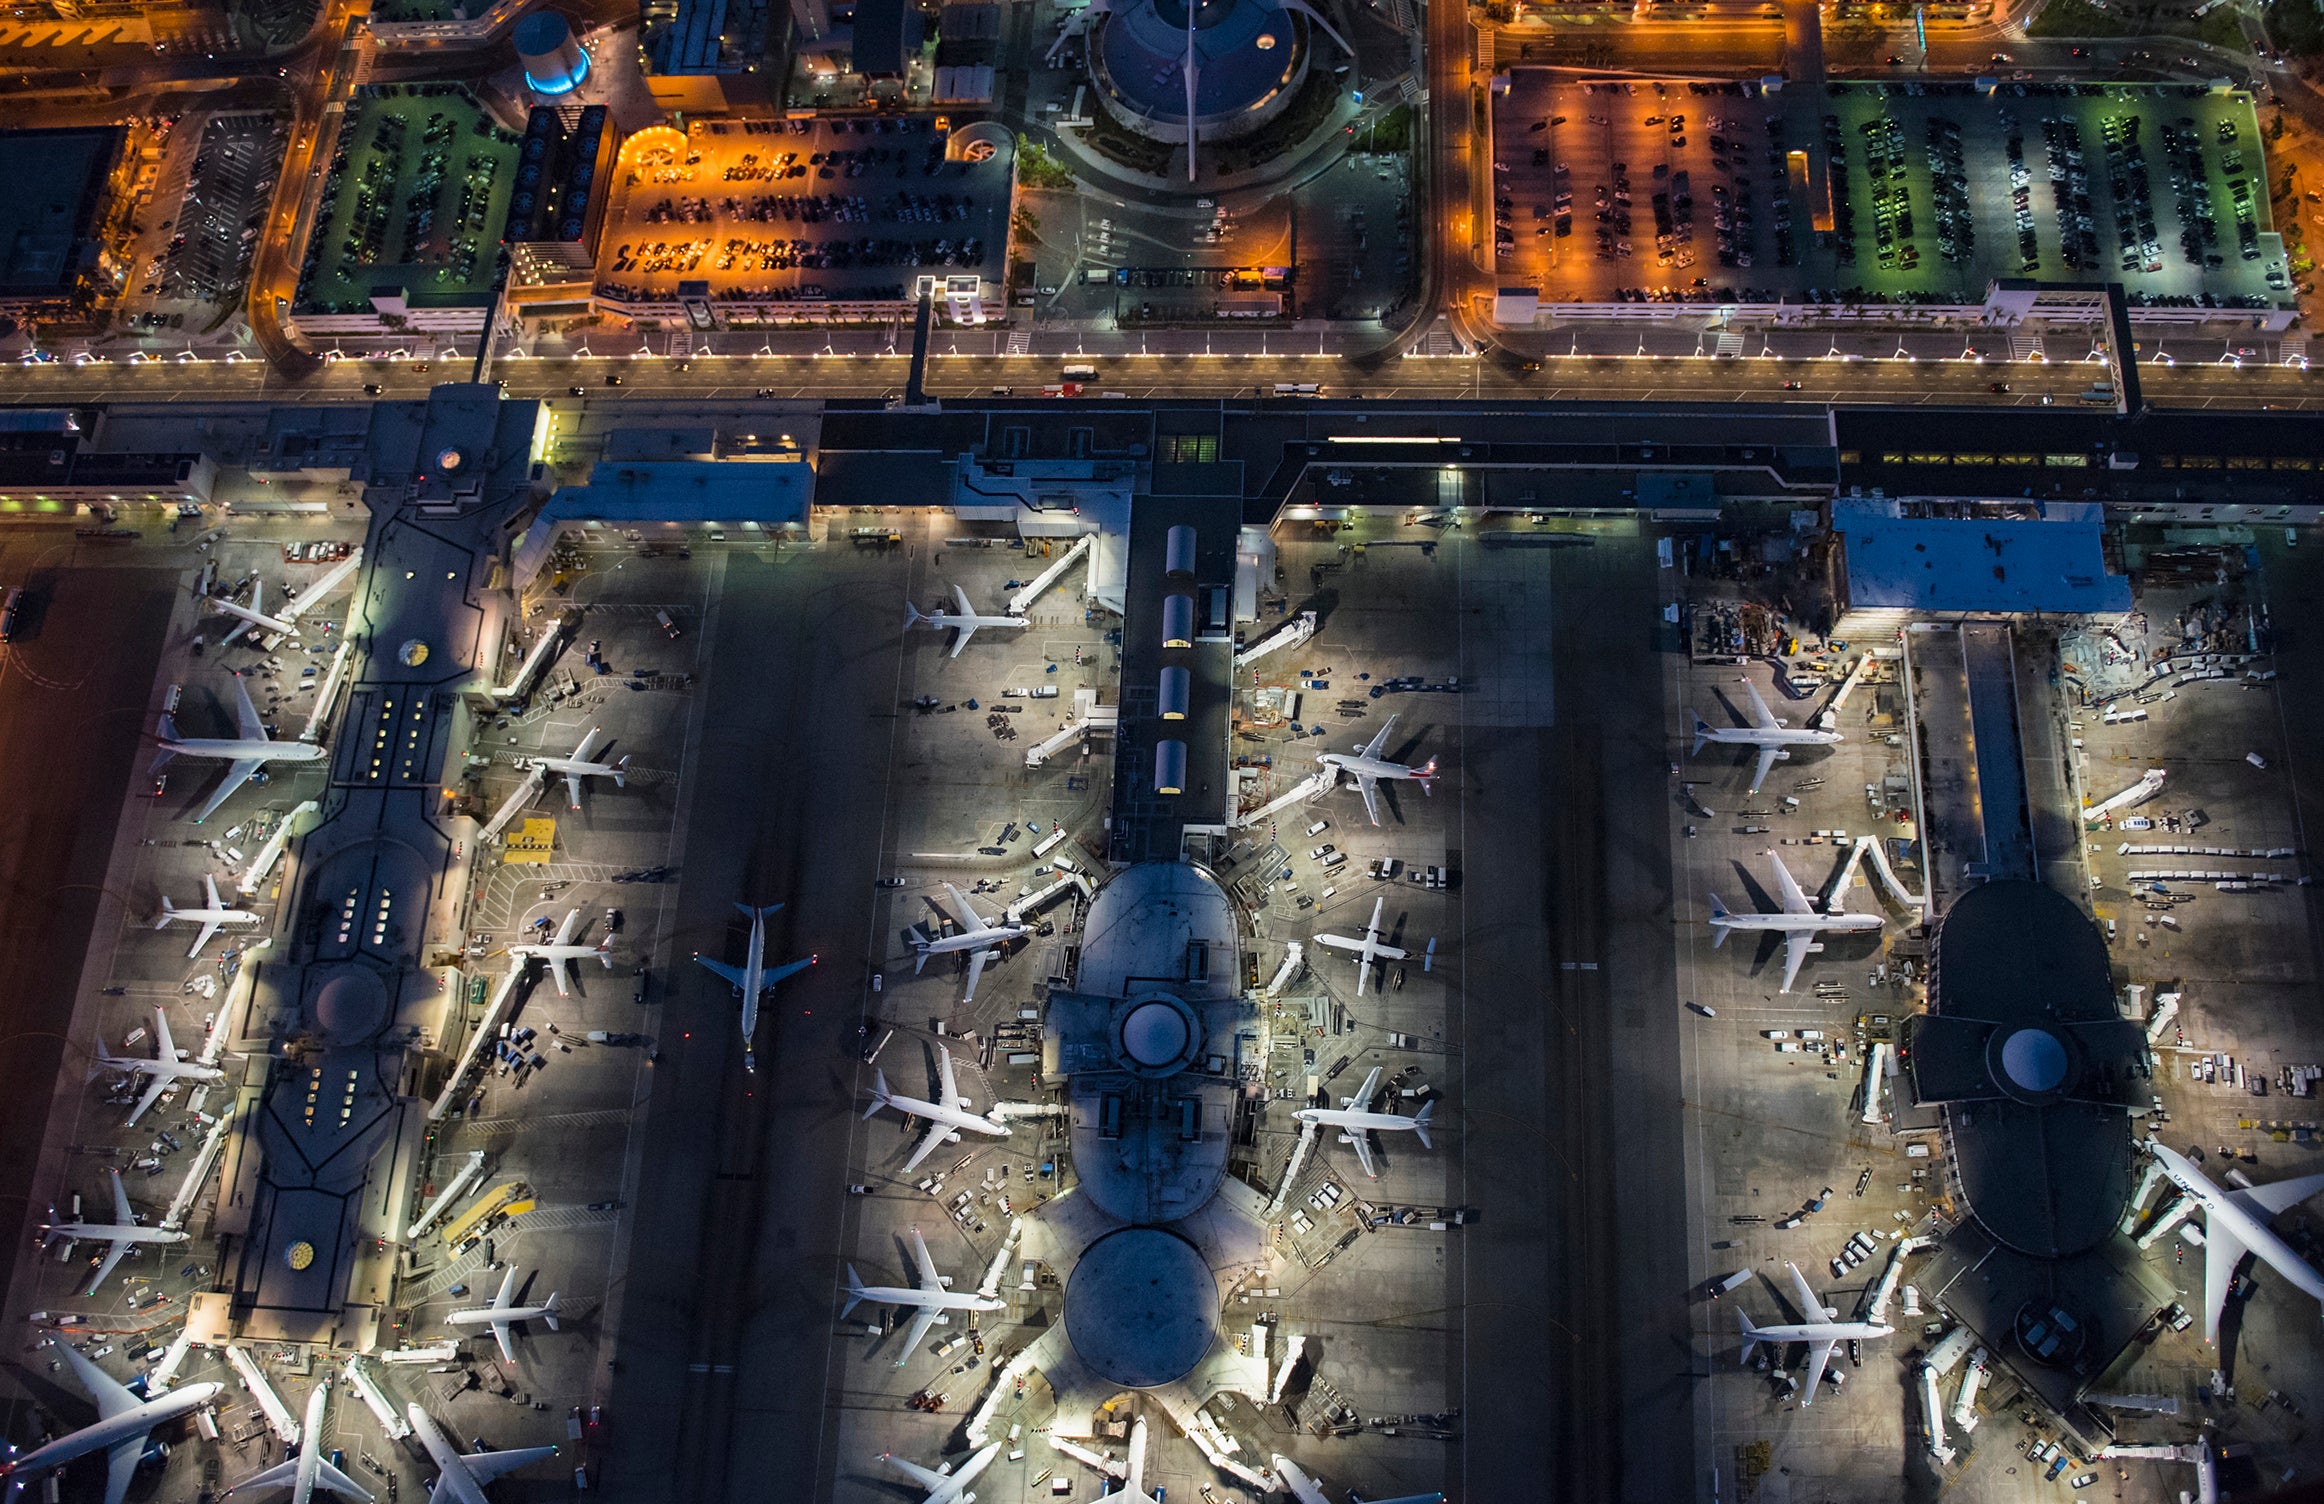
pixel 1586 378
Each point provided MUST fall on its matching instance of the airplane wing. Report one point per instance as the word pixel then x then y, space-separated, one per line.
pixel 1797 947
pixel 1362 1100
pixel 927 1478
pixel 960 599
pixel 337 1482
pixel 947 1084
pixel 114 1253
pixel 1339 942
pixel 1768 758
pixel 1362 1143
pixel 588 744
pixel 209 928
pixel 486 1466
pixel 560 976
pixel 929 1140
pixel 246 723
pixel 572 791
pixel 923 1317
pixel 153 1090
pixel 237 774
pixel 121 1213
pixel 567 930
pixel 1819 1355
pixel 929 1278
pixel 210 886
pixel 2222 1251
pixel 960 637
pixel 773 974
pixel 1363 972
pixel 109 1395
pixel 1794 901
pixel 1761 716
pixel 1370 788
pixel 164 1047
pixel 976 960
pixel 1811 1306
pixel 958 909
pixel 121 1460
pixel 2265 1201
pixel 733 974
pixel 500 1334
pixel 283 1475
pixel 507 1295
pixel 1379 739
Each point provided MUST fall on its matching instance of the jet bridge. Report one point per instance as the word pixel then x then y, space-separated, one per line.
pixel 1083 546
pixel 1088 716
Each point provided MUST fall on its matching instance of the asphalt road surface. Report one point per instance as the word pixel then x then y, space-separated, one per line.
pixel 1561 379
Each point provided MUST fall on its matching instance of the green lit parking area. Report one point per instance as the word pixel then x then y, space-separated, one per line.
pixel 1879 193
pixel 412 198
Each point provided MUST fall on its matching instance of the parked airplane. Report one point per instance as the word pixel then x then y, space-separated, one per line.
pixel 1131 1470
pixel 243 754
pixel 946 1488
pixel 2235 1222
pixel 461 1476
pixel 163 1071
pixel 1766 732
pixel 753 979
pixel 123 1422
pixel 310 1469
pixel 1370 950
pixel 1818 1330
pixel 284 622
pixel 563 949
pixel 945 1118
pixel 980 937
pixel 1357 1122
pixel 1368 768
pixel 964 621
pixel 209 917
pixel 930 1300
pixel 1303 1487
pixel 503 1315
pixel 1798 921
pixel 579 766
pixel 122 1233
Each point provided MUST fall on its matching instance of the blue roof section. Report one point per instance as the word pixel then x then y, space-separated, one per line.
pixel 2051 563
pixel 771 493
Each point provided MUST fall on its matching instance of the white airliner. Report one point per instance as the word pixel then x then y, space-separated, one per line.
pixel 1798 921
pixel 754 978
pixel 1767 732
pixel 243 754
pixel 579 766
pixel 563 949
pixel 122 1233
pixel 1368 768
pixel 163 1071
pixel 1131 1470
pixel 1370 951
pixel 964 622
pixel 2235 1221
pixel 1819 1332
pixel 1303 1487
pixel 946 1488
pixel 123 1420
pixel 980 937
pixel 502 1315
pixel 930 1300
pixel 945 1118
pixel 1357 1122
pixel 209 917
pixel 310 1469
pixel 285 622
pixel 461 1476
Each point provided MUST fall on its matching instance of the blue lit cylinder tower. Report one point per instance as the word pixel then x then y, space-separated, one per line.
pixel 553 61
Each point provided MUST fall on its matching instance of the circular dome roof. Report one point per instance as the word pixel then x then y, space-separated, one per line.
pixel 1141 1307
pixel 542 33
pixel 351 1007
pixel 1154 1034
pixel 2034 1059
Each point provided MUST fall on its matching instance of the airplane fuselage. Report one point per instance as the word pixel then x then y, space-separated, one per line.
pixel 166 1070
pixel 487 1315
pixel 1354 1121
pixel 1769 736
pixel 227 749
pixel 111 1232
pixel 1786 923
pixel 973 939
pixel 928 1300
pixel 1821 1331
pixel 950 1117
pixel 127 1426
pixel 1355 765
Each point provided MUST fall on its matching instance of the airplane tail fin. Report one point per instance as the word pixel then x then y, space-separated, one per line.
pixel 1719 930
pixel 1750 1332
pixel 621 774
pixel 605 952
pixel 770 911
pixel 854 1293
pixel 167 730
pixel 921 964
pixel 549 1310
pixel 1420 1125
pixel 1426 777
pixel 169 911
pixel 912 616
pixel 1702 732
pixel 879 1091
